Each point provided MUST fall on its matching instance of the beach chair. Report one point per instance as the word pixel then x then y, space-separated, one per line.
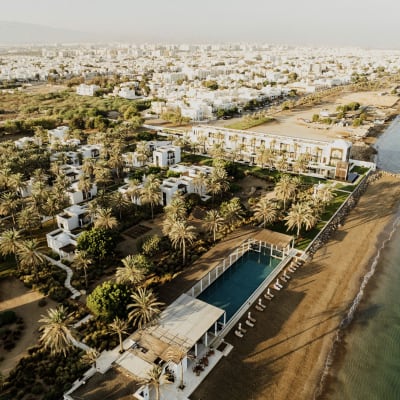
pixel 266 296
pixel 250 318
pixel 260 303
pixel 241 329
pixel 239 334
pixel 249 323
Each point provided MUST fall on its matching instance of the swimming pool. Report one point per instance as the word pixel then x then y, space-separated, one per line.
pixel 238 282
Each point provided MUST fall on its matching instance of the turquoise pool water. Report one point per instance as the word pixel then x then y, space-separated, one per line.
pixel 237 284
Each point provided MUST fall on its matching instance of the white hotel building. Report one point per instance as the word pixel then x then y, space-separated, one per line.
pixel 326 159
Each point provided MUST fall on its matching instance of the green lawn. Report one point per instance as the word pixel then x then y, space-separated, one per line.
pixel 348 188
pixel 360 170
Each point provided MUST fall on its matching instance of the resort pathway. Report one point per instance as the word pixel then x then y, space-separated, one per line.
pixel 67 283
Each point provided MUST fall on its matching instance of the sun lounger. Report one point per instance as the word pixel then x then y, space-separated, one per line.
pixel 258 308
pixel 249 323
pixel 250 318
pixel 239 334
pixel 260 303
pixel 241 329
pixel 277 285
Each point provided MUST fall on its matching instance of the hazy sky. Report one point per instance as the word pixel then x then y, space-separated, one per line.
pixel 367 23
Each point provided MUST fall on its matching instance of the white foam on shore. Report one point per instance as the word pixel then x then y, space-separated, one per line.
pixel 350 314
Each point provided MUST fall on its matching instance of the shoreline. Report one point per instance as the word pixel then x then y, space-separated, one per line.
pixel 285 354
pixel 340 348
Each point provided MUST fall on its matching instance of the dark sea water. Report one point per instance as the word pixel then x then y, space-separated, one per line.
pixel 367 365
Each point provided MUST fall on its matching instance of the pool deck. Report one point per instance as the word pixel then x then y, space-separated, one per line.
pixel 208 261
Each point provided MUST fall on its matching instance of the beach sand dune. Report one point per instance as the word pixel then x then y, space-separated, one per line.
pixel 283 356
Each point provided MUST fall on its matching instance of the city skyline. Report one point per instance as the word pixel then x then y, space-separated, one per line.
pixel 368 25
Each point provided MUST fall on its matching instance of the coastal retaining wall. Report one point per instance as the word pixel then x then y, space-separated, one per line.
pixel 337 219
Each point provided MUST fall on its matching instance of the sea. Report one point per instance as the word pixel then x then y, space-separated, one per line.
pixel 366 363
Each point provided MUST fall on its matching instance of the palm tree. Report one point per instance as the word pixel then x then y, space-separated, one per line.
pixel 119 203
pixel 10 243
pixel 285 189
pixel 177 354
pixel 325 194
pixel 17 182
pixel 5 176
pixel 281 164
pixel 300 164
pixel 88 167
pixel 119 327
pixel 145 307
pixel 151 193
pixel 217 151
pixel 56 336
pixel 39 193
pixel 116 162
pixel 181 234
pixel 90 357
pixel 213 222
pixel 134 187
pixel 30 256
pixel 9 204
pixel 232 212
pixel 155 378
pixel 177 208
pixel 104 219
pixel 54 204
pixel 82 261
pixel 85 185
pixel 264 157
pixel 200 183
pixel 142 152
pixel 214 187
pixel 28 219
pixel 102 174
pixel 266 210
pixel 130 272
pixel 300 214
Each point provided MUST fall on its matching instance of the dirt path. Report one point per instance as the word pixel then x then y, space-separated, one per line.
pixel 15 296
pixel 283 355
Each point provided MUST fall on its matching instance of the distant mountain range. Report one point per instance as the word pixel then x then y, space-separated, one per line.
pixel 24 33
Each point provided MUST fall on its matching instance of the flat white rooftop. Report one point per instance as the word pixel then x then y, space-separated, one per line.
pixel 185 321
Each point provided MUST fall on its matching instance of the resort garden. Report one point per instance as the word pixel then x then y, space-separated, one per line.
pixel 118 273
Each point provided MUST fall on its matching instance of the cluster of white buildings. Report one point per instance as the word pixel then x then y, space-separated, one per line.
pixel 178 75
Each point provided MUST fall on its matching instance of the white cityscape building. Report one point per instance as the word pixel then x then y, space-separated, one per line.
pixel 87 90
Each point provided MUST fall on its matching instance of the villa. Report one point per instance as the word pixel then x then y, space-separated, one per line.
pixel 63 240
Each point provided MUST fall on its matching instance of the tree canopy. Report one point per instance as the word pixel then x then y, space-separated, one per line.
pixel 97 242
pixel 109 300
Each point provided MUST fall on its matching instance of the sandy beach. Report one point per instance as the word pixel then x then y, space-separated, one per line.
pixel 283 356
